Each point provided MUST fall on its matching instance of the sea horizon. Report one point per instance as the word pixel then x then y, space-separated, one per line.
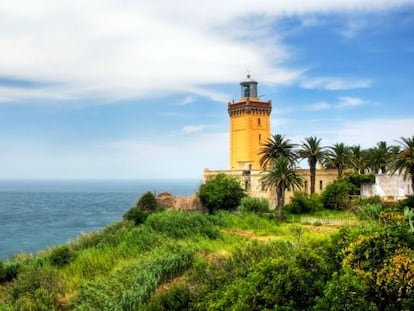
pixel 40 213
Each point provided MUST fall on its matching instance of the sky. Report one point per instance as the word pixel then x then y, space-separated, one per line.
pixel 128 89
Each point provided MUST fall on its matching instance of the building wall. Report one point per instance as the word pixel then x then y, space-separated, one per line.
pixel 391 187
pixel 250 181
pixel 248 131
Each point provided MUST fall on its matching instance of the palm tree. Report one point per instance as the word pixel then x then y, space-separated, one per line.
pixel 312 150
pixel 282 175
pixel 383 156
pixel 404 160
pixel 277 146
pixel 378 157
pixel 358 159
pixel 339 156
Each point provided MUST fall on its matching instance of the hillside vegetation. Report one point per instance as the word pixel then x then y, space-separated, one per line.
pixel 323 260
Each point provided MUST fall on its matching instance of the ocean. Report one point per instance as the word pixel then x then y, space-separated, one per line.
pixel 40 214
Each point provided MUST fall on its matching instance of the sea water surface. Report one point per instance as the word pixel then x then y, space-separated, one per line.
pixel 40 214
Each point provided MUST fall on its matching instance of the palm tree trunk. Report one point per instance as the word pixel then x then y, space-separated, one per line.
pixel 280 194
pixel 412 181
pixel 340 168
pixel 312 178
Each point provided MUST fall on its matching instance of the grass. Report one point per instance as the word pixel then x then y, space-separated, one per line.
pixel 121 266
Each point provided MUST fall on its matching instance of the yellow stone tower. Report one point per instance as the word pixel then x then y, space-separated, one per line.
pixel 249 127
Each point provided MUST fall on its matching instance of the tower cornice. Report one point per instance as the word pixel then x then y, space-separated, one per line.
pixel 249 107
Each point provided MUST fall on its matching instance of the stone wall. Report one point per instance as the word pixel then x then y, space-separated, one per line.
pixel 173 202
pixel 250 181
pixel 392 187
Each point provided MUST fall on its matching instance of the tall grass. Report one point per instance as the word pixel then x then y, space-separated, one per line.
pixel 120 267
pixel 181 225
pixel 253 222
pixel 129 288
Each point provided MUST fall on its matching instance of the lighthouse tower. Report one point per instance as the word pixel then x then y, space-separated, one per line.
pixel 249 127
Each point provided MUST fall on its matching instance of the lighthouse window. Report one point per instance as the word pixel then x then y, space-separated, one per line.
pixel 246 91
pixel 258 121
pixel 260 137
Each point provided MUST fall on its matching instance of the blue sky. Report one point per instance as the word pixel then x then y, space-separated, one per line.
pixel 139 89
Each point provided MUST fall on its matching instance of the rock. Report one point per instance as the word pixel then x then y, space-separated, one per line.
pixel 187 203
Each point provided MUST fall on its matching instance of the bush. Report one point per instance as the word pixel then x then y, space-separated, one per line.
pixel 37 289
pixel 369 211
pixel 370 200
pixel 360 179
pixel 285 283
pixel 221 192
pixel 178 297
pixel 347 291
pixel 254 205
pixel 132 286
pixel 408 201
pixel 61 256
pixel 136 215
pixel 181 225
pixel 10 271
pixel 2 272
pixel 302 202
pixel 336 194
pixel 147 202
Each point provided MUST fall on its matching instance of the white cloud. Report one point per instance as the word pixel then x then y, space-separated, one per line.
pixel 353 27
pixel 187 100
pixel 368 132
pixel 342 103
pixel 113 50
pixel 319 106
pixel 334 83
pixel 350 102
pixel 191 129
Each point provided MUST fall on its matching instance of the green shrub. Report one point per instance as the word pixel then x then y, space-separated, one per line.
pixel 221 192
pixel 254 205
pixel 2 272
pixel 336 195
pixel 346 291
pixel 178 297
pixel 135 215
pixel 147 202
pixel 358 180
pixel 61 256
pixel 36 288
pixel 369 211
pixel 407 201
pixel 282 283
pixel 370 200
pixel 132 286
pixel 179 225
pixel 302 202
pixel 11 270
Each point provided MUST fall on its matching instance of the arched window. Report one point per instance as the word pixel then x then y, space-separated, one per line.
pixel 259 121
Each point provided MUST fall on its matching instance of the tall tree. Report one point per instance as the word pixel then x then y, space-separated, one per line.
pixel 358 159
pixel 282 176
pixel 383 156
pixel 277 146
pixel 403 162
pixel 312 150
pixel 339 156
